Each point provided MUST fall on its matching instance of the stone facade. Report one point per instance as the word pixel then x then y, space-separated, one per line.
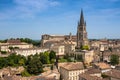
pixel 70 71
pixel 30 51
pixel 88 57
pixel 59 49
pixel 49 39
pixel 82 39
pixel 6 46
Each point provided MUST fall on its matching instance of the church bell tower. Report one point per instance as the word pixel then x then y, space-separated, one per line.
pixel 82 39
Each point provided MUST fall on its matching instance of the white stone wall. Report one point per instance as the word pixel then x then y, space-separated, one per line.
pixel 5 47
pixel 69 48
pixel 88 56
pixel 32 51
pixel 59 49
pixel 70 75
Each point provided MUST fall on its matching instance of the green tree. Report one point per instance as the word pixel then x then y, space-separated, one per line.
pixel 3 62
pixel 85 47
pixel 53 61
pixel 62 60
pixel 30 41
pixel 44 58
pixel 52 55
pixel 3 52
pixel 11 48
pixel 79 57
pixel 51 67
pixel 15 60
pixel 25 73
pixel 34 66
pixel 110 48
pixel 12 60
pixel 114 59
pixel 16 47
pixel 21 62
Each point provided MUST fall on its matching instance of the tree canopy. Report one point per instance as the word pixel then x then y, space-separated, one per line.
pixel 52 55
pixel 34 66
pixel 44 58
pixel 85 47
pixel 12 60
pixel 26 40
pixel 114 59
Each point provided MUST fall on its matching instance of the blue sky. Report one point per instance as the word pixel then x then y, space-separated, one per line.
pixel 32 18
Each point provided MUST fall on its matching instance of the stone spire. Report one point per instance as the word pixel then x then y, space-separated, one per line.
pixel 82 39
pixel 82 18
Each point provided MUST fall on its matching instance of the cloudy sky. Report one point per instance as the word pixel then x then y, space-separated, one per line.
pixel 32 18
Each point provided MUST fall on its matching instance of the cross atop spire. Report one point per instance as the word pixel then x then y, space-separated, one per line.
pixel 82 18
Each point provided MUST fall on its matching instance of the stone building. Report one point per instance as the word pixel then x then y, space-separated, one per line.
pixel 14 44
pixel 70 42
pixel 88 57
pixel 30 51
pixel 113 74
pixel 47 40
pixel 82 39
pixel 71 71
pixel 59 49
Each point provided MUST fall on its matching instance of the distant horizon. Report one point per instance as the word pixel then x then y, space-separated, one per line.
pixel 33 18
pixel 40 38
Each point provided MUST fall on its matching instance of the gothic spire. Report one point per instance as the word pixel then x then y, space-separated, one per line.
pixel 82 18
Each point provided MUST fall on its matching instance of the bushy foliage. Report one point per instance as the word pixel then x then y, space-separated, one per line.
pixel 30 41
pixel 63 60
pixel 52 55
pixel 25 73
pixel 3 52
pixel 3 41
pixel 12 60
pixel 79 57
pixel 34 66
pixel 44 58
pixel 85 47
pixel 104 76
pixel 114 59
pixel 26 40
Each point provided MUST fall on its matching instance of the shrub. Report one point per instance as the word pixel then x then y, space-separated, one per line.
pixel 3 52
pixel 25 74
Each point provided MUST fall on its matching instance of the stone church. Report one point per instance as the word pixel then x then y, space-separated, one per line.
pixel 80 39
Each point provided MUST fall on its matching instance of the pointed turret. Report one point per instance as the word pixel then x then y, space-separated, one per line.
pixel 82 18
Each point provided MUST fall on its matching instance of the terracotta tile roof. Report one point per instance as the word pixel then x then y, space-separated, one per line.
pixel 30 49
pixel 114 73
pixel 41 78
pixel 107 53
pixel 73 66
pixel 93 71
pixel 102 65
pixel 88 77
pixel 15 78
pixel 13 41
